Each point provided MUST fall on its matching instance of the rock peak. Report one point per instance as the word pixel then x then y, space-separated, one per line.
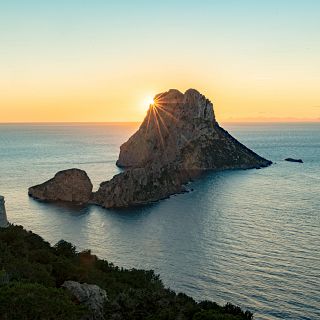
pixel 176 96
pixel 174 106
pixel 170 96
pixel 192 91
pixel 173 120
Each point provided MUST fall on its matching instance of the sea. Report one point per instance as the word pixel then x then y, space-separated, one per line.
pixel 249 237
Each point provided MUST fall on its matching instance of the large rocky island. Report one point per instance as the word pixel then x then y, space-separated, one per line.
pixel 178 139
pixel 182 129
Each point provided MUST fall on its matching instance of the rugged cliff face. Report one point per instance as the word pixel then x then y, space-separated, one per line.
pixel 182 129
pixel 138 186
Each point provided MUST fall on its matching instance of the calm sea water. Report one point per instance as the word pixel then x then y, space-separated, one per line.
pixel 249 237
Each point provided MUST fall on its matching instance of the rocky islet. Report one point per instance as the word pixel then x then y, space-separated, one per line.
pixel 178 139
pixel 72 185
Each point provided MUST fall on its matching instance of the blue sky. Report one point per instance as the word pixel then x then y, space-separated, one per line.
pixel 257 47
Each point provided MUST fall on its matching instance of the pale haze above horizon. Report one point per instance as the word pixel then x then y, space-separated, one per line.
pixel 103 61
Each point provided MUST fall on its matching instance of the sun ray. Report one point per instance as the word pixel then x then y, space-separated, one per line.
pixel 158 127
pixel 148 121
pixel 159 107
pixel 154 112
pixel 167 112
pixel 162 121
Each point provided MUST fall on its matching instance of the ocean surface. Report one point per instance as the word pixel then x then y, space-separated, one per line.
pixel 249 237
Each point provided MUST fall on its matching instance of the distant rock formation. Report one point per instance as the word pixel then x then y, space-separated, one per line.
pixel 294 160
pixel 90 295
pixel 178 139
pixel 3 215
pixel 182 129
pixel 72 185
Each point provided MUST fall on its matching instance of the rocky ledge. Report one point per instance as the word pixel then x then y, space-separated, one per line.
pixel 178 139
pixel 90 295
pixel 139 186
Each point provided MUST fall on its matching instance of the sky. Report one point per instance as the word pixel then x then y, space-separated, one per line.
pixel 102 61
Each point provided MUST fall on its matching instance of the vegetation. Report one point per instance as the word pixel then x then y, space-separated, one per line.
pixel 20 300
pixel 32 272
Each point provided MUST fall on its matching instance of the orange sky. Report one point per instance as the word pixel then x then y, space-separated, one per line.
pixel 101 63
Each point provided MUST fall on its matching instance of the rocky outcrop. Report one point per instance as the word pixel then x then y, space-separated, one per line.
pixel 3 215
pixel 294 160
pixel 90 295
pixel 72 185
pixel 140 186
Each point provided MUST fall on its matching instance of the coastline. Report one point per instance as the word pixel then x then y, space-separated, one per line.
pixel 30 264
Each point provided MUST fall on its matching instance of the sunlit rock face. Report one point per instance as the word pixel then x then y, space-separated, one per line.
pixel 182 129
pixel 72 185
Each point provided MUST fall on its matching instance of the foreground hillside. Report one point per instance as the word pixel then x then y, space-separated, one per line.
pixel 32 272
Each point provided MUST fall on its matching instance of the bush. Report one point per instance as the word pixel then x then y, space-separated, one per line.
pixel 33 301
pixel 66 249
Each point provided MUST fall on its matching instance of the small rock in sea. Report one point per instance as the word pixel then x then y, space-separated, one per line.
pixel 294 160
pixel 71 185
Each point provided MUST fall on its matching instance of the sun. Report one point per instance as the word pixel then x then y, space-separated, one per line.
pixel 148 100
pixel 144 102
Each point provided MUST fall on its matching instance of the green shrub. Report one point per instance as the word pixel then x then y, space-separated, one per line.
pixel 66 249
pixel 33 301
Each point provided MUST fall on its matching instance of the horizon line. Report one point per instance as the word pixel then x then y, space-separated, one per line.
pixel 137 122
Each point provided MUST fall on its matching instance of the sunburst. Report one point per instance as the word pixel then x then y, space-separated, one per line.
pixel 159 113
